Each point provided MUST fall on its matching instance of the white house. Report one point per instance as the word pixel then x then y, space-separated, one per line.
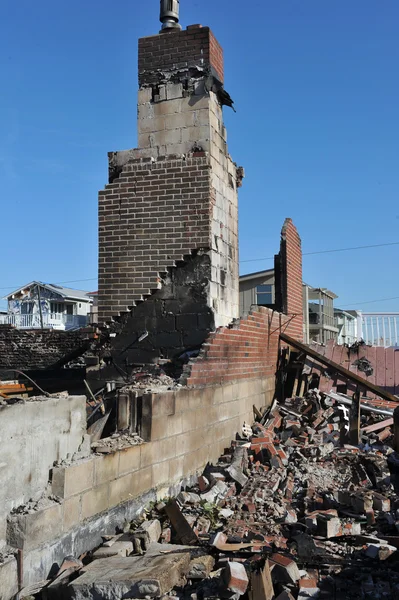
pixel 39 305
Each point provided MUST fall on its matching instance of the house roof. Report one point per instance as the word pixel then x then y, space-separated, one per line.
pixel 340 311
pixel 67 293
pixel 256 275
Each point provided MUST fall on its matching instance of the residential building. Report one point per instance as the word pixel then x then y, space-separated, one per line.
pixel 256 288
pixel 347 324
pixel 39 305
pixel 319 321
pixel 322 321
pixel 93 316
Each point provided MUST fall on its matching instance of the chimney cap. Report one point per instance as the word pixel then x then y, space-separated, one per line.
pixel 169 15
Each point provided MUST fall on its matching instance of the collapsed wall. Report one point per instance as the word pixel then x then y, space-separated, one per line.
pixel 168 284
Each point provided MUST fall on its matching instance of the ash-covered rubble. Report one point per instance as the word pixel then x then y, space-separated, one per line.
pixel 290 511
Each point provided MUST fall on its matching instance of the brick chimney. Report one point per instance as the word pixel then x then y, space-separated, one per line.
pixel 168 222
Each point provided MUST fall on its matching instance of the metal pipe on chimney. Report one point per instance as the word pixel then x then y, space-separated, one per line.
pixel 169 15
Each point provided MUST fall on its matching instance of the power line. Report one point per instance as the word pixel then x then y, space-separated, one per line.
pixel 328 251
pixel 370 301
pixel 254 260
pixel 16 287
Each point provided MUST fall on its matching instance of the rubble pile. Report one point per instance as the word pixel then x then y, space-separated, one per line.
pixel 117 441
pixel 149 378
pixel 290 511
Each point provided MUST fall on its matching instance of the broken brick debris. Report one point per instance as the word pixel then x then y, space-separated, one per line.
pixel 292 510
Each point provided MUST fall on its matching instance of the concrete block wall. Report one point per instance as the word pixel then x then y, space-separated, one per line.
pixel 101 492
pixel 176 318
pixel 33 435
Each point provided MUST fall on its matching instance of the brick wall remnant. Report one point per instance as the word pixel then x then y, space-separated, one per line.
pixel 176 318
pixel 174 55
pixel 35 349
pixel 288 278
pixel 248 348
pixel 172 198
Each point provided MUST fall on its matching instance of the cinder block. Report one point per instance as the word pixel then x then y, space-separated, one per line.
pixel 142 481
pixel 95 501
pixel 174 90
pixel 176 469
pixel 167 449
pixel 196 103
pixel 105 468
pixel 180 121
pixel 144 95
pixel 148 454
pixel 33 530
pixel 8 578
pixel 196 134
pixel 163 404
pixel 167 108
pixel 174 425
pixel 71 512
pixel 190 420
pixel 144 140
pixel 217 393
pixel 150 125
pixel 160 474
pixel 121 489
pixel 74 479
pixel 129 460
pixel 159 428
pixel 193 463
pixel 204 117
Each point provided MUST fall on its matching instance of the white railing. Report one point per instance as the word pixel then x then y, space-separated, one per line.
pixel 50 321
pixel 380 329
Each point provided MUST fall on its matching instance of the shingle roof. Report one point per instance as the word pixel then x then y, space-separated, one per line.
pixel 58 289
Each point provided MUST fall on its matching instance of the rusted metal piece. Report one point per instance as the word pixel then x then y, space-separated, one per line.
pixel 363 383
pixel 180 524
pixel 354 420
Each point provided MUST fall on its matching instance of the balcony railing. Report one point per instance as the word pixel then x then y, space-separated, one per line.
pixel 50 321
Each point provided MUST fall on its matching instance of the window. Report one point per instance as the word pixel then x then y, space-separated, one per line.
pixel 57 308
pixel 26 308
pixel 264 295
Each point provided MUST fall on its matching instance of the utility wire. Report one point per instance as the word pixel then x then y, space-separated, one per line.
pixel 369 301
pixel 328 251
pixel 252 260
pixel 16 287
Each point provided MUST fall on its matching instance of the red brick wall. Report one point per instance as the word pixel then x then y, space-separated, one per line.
pixel 292 255
pixel 249 348
pixel 246 350
pixel 178 50
pixel 288 278
pixel 154 214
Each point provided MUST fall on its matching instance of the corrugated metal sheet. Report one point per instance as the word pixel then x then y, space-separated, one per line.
pixel 384 362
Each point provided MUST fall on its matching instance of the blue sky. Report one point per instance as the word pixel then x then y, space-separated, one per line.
pixel 317 130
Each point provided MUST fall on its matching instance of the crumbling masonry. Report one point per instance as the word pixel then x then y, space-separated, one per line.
pixel 171 203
